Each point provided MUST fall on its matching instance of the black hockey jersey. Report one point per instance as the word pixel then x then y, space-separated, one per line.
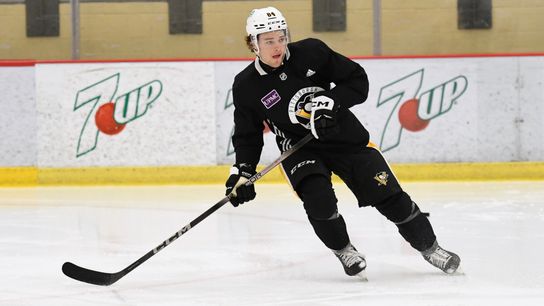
pixel 282 98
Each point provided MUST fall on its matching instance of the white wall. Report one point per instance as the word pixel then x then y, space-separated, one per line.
pixel 17 117
pixel 484 109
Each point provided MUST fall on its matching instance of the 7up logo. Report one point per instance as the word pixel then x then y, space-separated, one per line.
pixel 411 110
pixel 109 113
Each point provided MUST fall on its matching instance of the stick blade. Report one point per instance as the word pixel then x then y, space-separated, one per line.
pixel 89 276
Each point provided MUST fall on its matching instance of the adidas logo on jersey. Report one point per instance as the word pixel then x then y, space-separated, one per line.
pixel 309 73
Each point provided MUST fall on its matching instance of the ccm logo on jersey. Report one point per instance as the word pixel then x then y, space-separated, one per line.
pixel 322 102
pixel 301 164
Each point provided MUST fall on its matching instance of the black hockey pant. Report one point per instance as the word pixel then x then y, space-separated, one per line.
pixel 371 180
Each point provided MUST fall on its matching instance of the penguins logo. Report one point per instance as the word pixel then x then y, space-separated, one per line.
pixel 381 178
pixel 300 106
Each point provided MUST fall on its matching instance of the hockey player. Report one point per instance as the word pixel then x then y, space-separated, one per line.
pixel 305 87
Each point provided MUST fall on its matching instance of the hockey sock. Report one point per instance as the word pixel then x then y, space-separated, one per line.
pixel 412 224
pixel 332 232
pixel 418 232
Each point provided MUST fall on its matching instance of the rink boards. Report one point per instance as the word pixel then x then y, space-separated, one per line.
pixel 475 117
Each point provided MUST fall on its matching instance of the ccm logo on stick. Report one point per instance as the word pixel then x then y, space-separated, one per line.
pixel 299 165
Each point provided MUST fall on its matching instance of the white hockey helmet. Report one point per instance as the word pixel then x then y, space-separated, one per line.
pixel 264 20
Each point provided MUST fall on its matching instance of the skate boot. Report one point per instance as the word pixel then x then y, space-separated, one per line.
pixel 354 263
pixel 442 259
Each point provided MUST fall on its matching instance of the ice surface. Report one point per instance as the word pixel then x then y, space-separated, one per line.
pixel 265 252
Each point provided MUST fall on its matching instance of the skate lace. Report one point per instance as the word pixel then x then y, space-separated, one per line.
pixel 439 258
pixel 350 257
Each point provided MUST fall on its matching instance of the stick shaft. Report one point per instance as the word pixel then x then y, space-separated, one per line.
pixel 106 279
pixel 223 201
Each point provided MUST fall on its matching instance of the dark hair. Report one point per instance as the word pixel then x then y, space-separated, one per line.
pixel 249 44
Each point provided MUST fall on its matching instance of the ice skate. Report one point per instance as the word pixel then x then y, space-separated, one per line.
pixel 354 263
pixel 442 259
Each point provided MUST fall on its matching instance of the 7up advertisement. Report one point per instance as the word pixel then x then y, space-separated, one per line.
pixel 420 111
pixel 125 114
pixel 111 112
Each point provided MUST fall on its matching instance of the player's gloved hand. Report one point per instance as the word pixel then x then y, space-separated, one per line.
pixel 323 122
pixel 239 175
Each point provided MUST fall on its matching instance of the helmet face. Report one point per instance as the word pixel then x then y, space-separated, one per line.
pixel 264 20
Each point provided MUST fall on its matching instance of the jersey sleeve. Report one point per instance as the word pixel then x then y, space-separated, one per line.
pixel 350 79
pixel 248 128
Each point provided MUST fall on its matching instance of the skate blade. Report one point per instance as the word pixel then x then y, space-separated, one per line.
pixel 458 271
pixel 362 276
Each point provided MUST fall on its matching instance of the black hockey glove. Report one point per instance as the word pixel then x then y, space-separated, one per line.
pixel 239 175
pixel 323 118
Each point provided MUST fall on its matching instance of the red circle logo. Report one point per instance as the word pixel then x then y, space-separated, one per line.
pixel 408 116
pixel 105 122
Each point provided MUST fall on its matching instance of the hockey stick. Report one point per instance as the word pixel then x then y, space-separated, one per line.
pixel 105 279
